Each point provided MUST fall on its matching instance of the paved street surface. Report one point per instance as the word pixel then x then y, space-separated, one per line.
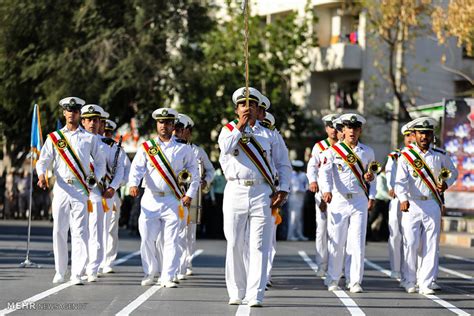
pixel 296 291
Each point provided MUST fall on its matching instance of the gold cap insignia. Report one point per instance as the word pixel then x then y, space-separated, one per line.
pixel 426 123
pixel 72 102
pixel 353 119
pixel 90 109
pixel 164 112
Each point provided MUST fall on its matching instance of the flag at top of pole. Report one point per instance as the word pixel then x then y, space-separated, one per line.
pixel 36 135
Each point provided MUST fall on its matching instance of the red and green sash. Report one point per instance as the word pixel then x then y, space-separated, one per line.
pixel 162 165
pixel 69 156
pixel 421 168
pixel 354 163
pixel 323 145
pixel 257 156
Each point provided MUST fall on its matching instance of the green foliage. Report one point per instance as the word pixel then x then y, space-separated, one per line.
pixel 133 56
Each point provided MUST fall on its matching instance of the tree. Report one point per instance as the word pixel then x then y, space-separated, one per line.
pixel 397 23
pixel 277 55
pixel 457 21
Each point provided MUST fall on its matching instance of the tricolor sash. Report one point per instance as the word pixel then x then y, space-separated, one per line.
pixel 323 145
pixel 257 155
pixel 67 153
pixel 394 154
pixel 423 170
pixel 162 165
pixel 354 163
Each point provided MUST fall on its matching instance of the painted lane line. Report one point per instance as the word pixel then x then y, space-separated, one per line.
pixel 243 310
pixel 458 258
pixel 126 258
pixel 348 302
pixel 197 253
pixel 36 298
pixel 53 290
pixel 434 298
pixel 447 305
pixel 458 274
pixel 145 296
pixel 377 267
pixel 139 301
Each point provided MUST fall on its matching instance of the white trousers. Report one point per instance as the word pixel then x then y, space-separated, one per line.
pixel 159 215
pixel 347 227
pixel 421 228
pixel 321 236
pixel 272 250
pixel 395 250
pixel 182 243
pixel 70 212
pixel 111 234
pixel 247 206
pixel 295 212
pixel 191 244
pixel 96 237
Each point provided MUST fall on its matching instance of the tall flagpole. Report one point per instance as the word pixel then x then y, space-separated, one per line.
pixel 28 263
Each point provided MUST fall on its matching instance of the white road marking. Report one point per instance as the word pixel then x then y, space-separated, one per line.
pixel 434 298
pixel 447 305
pixel 343 297
pixel 55 289
pixel 458 274
pixel 145 296
pixel 243 310
pixel 458 258
pixel 139 301
pixel 126 258
pixel 36 298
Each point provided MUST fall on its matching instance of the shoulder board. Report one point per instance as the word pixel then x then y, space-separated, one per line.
pixel 108 141
pixel 439 150
pixel 181 141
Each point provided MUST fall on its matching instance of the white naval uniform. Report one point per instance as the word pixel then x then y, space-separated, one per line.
pixel 69 204
pixel 321 241
pixel 395 249
pixel 111 217
pixel 347 214
pixel 272 249
pixel 247 204
pixel 298 187
pixel 99 218
pixel 159 206
pixel 209 171
pixel 421 224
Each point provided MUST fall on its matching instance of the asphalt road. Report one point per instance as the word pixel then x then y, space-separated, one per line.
pixel 296 291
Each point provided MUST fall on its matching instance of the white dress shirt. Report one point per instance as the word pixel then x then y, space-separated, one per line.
pixel 237 165
pixel 337 176
pixel 85 145
pixel 407 185
pixel 180 156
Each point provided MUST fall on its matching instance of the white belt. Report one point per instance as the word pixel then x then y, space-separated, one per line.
pixel 248 182
pixel 419 197
pixel 160 193
pixel 349 196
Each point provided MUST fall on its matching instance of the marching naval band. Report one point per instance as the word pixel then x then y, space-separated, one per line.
pixel 90 166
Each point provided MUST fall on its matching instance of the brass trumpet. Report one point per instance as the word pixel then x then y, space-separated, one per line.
pixel 91 181
pixel 375 167
pixel 444 174
pixel 184 177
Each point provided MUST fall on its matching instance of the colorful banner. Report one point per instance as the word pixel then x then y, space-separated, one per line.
pixel 36 135
pixel 458 141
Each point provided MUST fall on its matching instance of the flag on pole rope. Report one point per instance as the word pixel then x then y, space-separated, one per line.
pixel 36 135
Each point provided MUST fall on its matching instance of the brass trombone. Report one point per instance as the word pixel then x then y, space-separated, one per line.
pixel 444 174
